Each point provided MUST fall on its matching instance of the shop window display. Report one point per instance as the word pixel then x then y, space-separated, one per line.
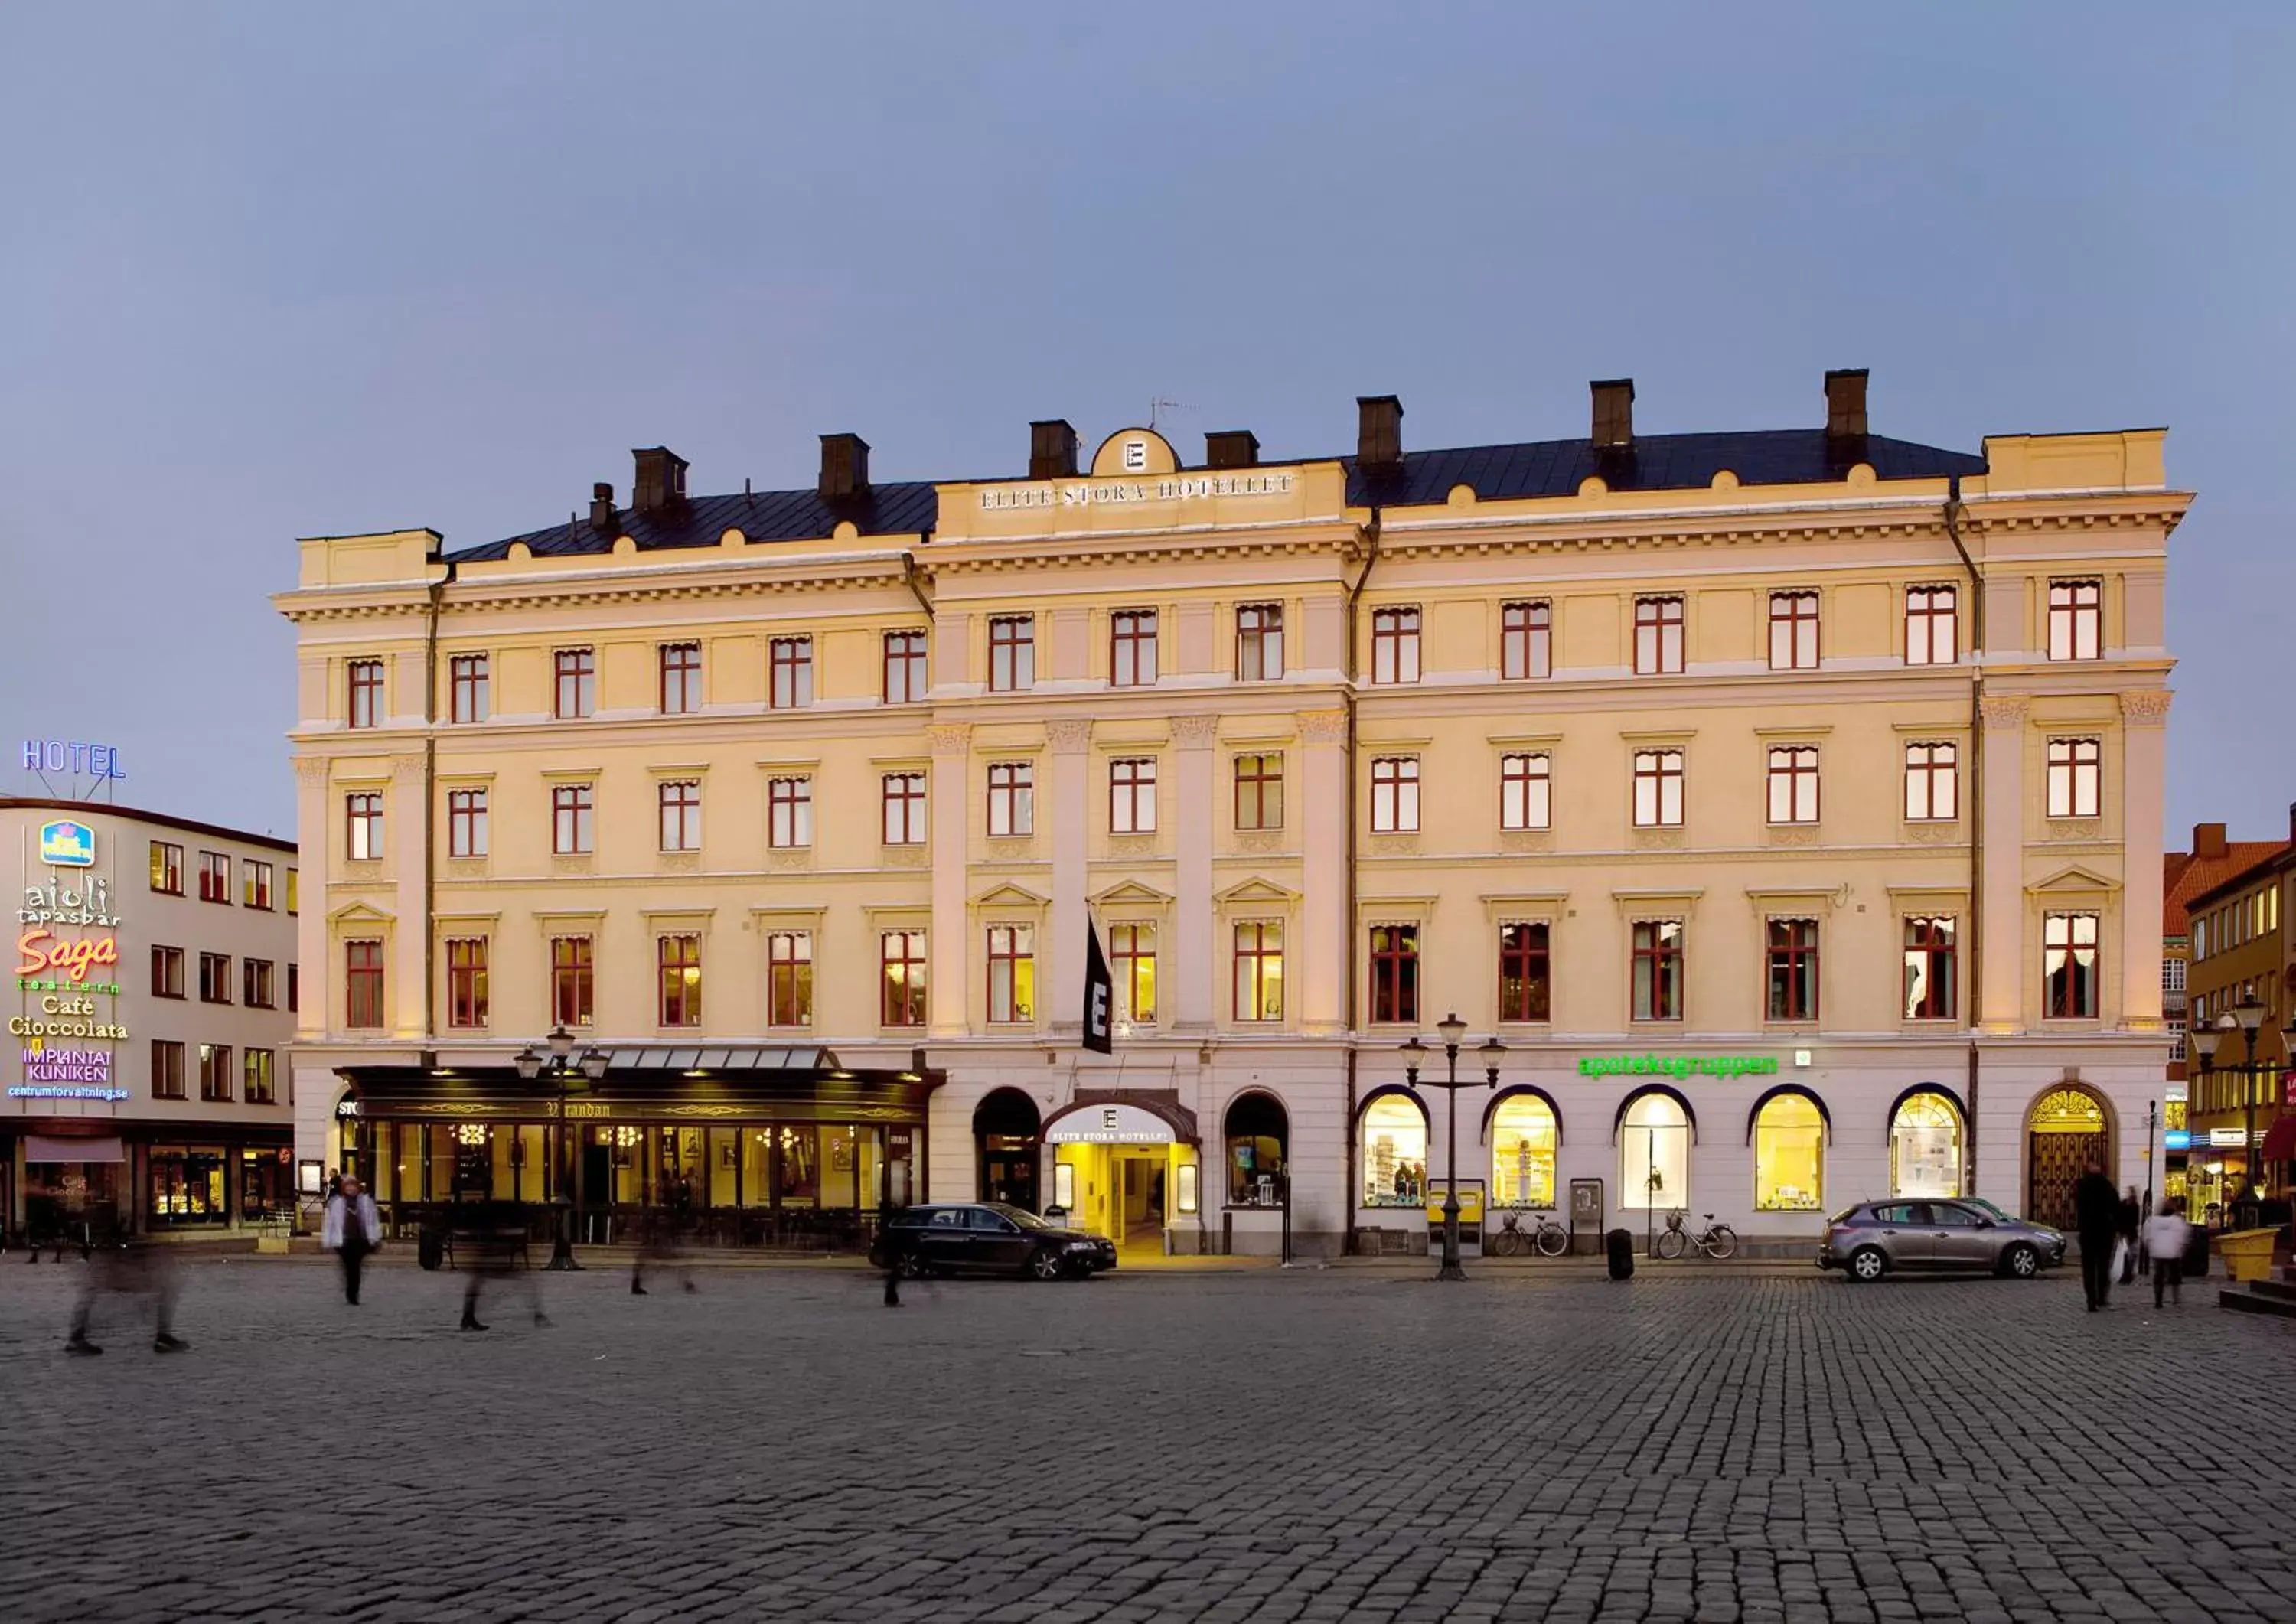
pixel 1394 1152
pixel 1925 1147
pixel 1654 1155
pixel 1789 1156
pixel 1257 1133
pixel 1523 1138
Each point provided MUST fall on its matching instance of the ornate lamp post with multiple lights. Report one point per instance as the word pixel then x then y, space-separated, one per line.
pixel 1454 1032
pixel 558 1062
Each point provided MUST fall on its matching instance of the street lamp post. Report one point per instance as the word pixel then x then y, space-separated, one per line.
pixel 2205 1039
pixel 2247 1014
pixel 558 1061
pixel 1454 1032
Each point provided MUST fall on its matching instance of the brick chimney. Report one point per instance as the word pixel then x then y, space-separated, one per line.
pixel 1232 448
pixel 603 516
pixel 844 466
pixel 1614 414
pixel 2208 838
pixel 1845 414
pixel 662 481
pixel 1378 431
pixel 1052 449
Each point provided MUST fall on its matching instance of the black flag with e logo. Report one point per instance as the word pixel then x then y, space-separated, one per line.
pixel 1099 996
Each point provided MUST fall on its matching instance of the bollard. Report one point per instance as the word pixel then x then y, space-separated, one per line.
pixel 1621 1243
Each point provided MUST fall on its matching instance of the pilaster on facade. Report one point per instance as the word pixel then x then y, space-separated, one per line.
pixel 2144 772
pixel 2002 815
pixel 1327 807
pixel 1193 737
pixel 949 944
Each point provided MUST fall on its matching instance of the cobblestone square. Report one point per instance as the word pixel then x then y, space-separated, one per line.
pixel 1698 1444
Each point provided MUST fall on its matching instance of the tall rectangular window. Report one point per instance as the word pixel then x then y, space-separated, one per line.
pixel 366 683
pixel 573 819
pixel 905 667
pixel 2075 620
pixel 167 1069
pixel 1011 797
pixel 1012 652
pixel 1929 978
pixel 1657 970
pixel 466 981
pixel 789 978
pixel 1260 970
pixel 1395 973
pixel 1792 950
pixel 1526 641
pixel 904 809
pixel 1933 781
pixel 255 885
pixel 1012 974
pixel 1258 642
pixel 1793 631
pixel 2069 985
pixel 2076 773
pixel 1526 799
pixel 1932 626
pixel 167 973
pixel 1132 965
pixel 680 961
pixel 469 688
pixel 1657 789
pixel 1658 636
pixel 573 979
pixel 680 803
pixel 901 955
pixel 256 1077
pixel 1260 791
pixel 1793 783
pixel 790 660
pixel 575 689
pixel 215 1073
pixel 789 812
pixel 1132 648
pixel 256 983
pixel 292 905
pixel 215 877
pixel 1525 983
pixel 168 868
pixel 294 989
pixel 1394 794
pixel 1395 645
pixel 362 984
pixel 681 678
pixel 1132 795
pixel 215 978
pixel 466 823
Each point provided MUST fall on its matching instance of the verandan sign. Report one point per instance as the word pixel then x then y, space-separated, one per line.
pixel 1677 1065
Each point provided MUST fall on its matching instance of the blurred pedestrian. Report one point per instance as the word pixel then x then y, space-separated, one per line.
pixel 2096 1217
pixel 132 1268
pixel 657 1244
pixel 2166 1236
pixel 351 1229
pixel 2132 1215
pixel 490 1244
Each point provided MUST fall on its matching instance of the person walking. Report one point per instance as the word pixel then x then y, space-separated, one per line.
pixel 351 1229
pixel 2096 1217
pixel 2166 1236
pixel 2132 1215
pixel 115 1264
pixel 492 1242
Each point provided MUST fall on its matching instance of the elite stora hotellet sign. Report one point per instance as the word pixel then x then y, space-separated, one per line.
pixel 1105 493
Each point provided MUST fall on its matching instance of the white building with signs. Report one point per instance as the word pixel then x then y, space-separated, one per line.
pixel 155 989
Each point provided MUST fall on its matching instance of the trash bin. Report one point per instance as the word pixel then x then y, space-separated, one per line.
pixel 430 1249
pixel 1621 1244
pixel 2196 1253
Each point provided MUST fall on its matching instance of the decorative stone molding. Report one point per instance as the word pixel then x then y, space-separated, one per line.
pixel 1068 736
pixel 2075 828
pixel 1516 841
pixel 1009 847
pixel 1933 833
pixel 1661 840
pixel 948 738
pixel 790 859
pixel 680 862
pixel 1323 727
pixel 467 868
pixel 313 769
pixel 2145 707
pixel 2003 709
pixel 360 868
pixel 1258 843
pixel 1195 731
pixel 1791 834
pixel 907 857
pixel 1123 845
pixel 407 769
pixel 572 863
pixel 1394 846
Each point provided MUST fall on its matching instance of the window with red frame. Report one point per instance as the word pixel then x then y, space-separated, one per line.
pixel 1011 797
pixel 1930 967
pixel 1657 636
pixel 1793 631
pixel 1526 799
pixel 789 812
pixel 572 813
pixel 680 801
pixel 167 1069
pixel 679 958
pixel 1793 783
pixel 468 688
pixel 1395 645
pixel 573 978
pixel 681 678
pixel 2076 775
pixel 1260 970
pixel 466 981
pixel 901 956
pixel 166 868
pixel 1395 973
pixel 255 885
pixel 466 823
pixel 1525 983
pixel 904 809
pixel 1792 947
pixel 362 827
pixel 167 973
pixel 2075 620
pixel 1012 974
pixel 1932 781
pixel 1526 637
pixel 215 877
pixel 362 984
pixel 1012 652
pixel 1657 970
pixel 789 978
pixel 1132 965
pixel 2068 978
pixel 1259 791
pixel 1932 626
pixel 1132 648
pixel 905 667
pixel 365 683
pixel 1394 794
pixel 576 690
pixel 792 662
pixel 1132 795
pixel 1258 642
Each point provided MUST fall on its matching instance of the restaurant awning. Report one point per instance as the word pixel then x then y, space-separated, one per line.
pixel 2280 1140
pixel 44 1147
pixel 655 1082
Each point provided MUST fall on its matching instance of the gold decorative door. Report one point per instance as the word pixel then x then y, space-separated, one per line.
pixel 2058 1162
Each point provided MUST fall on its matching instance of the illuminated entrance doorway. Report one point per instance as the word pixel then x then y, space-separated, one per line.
pixel 2064 1134
pixel 1125 1171
pixel 1008 1134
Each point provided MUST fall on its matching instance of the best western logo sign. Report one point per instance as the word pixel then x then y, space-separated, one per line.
pixel 66 844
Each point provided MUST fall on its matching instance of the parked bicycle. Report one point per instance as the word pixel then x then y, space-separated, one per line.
pixel 1716 1241
pixel 1549 1237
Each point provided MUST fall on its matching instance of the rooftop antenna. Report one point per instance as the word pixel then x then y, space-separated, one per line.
pixel 1160 405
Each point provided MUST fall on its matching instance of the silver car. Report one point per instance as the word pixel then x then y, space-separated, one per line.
pixel 1873 1238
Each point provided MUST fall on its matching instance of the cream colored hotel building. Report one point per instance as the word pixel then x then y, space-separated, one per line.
pixel 1787 802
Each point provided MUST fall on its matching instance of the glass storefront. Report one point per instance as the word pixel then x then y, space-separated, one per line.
pixel 1789 1156
pixel 1394 1146
pixel 1654 1155
pixel 1523 1139
pixel 187 1185
pixel 1257 1132
pixel 64 1195
pixel 1925 1147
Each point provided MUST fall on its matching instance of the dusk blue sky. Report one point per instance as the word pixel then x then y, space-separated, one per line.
pixel 278 270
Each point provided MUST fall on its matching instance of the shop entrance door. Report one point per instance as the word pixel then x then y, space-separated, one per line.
pixel 1008 1170
pixel 1137 1223
pixel 2058 1160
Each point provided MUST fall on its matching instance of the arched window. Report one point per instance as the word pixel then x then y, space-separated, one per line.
pixel 1789 1155
pixel 1006 1129
pixel 1522 1152
pixel 1259 1136
pixel 1925 1147
pixel 1655 1155
pixel 1394 1135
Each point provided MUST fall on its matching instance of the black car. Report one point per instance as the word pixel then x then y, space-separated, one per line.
pixel 947 1237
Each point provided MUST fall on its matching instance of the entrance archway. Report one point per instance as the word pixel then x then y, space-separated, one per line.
pixel 1258 1134
pixel 1128 1168
pixel 1007 1132
pixel 1926 1134
pixel 2065 1131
